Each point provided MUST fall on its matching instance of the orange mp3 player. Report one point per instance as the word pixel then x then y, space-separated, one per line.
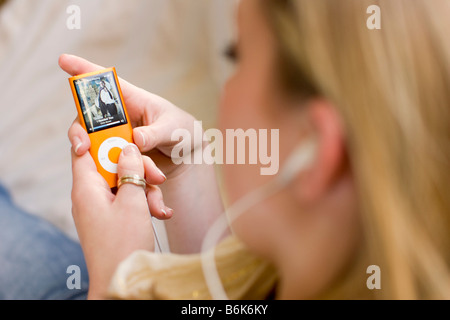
pixel 103 115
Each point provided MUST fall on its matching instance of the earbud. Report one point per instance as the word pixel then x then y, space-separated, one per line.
pixel 301 159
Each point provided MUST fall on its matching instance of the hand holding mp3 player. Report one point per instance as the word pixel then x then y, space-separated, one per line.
pixel 103 115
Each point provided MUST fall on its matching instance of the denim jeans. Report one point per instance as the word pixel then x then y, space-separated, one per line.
pixel 36 258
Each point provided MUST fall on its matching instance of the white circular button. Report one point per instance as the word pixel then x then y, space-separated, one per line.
pixel 103 153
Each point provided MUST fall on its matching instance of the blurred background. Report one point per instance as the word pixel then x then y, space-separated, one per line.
pixel 173 48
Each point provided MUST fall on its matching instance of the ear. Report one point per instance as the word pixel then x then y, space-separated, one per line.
pixel 330 153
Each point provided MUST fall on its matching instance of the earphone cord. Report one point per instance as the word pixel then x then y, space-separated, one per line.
pixel 215 232
pixel 158 242
pixel 300 159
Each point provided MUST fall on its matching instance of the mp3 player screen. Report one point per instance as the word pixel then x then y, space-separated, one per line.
pixel 100 102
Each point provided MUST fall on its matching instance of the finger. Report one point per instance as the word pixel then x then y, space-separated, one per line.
pixel 130 163
pixel 153 174
pixel 79 138
pixel 156 204
pixel 159 134
pixel 148 137
pixel 135 98
pixel 74 65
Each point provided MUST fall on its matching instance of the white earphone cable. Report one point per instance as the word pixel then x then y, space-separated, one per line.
pixel 301 159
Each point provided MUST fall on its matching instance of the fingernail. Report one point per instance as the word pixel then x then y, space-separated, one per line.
pixel 168 212
pixel 163 208
pixel 144 142
pixel 77 144
pixel 130 150
pixel 162 174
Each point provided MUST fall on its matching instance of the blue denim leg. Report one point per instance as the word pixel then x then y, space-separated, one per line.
pixel 35 256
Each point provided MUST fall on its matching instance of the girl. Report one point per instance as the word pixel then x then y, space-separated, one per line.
pixel 375 103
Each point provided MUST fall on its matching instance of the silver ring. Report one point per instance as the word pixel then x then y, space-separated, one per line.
pixel 132 179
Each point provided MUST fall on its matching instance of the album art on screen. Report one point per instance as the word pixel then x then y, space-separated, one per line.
pixel 100 102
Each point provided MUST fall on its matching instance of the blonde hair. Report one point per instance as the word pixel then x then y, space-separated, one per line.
pixel 392 89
